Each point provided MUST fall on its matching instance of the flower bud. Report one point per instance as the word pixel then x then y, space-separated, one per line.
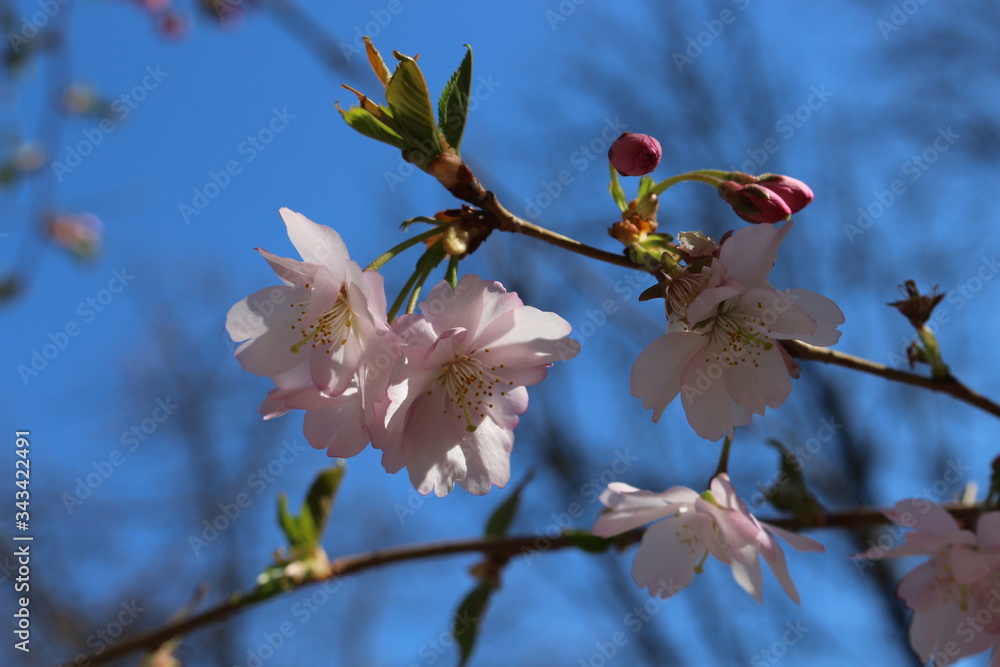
pixel 635 154
pixel 794 192
pixel 753 202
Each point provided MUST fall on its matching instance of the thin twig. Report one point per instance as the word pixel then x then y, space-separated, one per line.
pixel 948 385
pixel 495 547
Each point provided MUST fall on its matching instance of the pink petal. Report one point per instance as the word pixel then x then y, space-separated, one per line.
pixel 797 541
pixel 924 516
pixel 749 577
pixel 664 563
pixel 779 566
pixel 267 314
pixel 657 372
pixel 339 427
pixel 778 313
pixel 318 244
pixel 631 508
pixel 919 588
pixel 504 407
pixel 749 254
pixel 824 311
pixel 292 271
pixel 988 530
pixel 706 401
pixel 755 387
pixel 706 304
pixel 473 304
pixel 487 458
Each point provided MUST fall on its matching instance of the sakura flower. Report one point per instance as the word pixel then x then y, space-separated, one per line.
pixel 691 526
pixel 954 596
pixel 458 388
pixel 327 311
pixel 720 351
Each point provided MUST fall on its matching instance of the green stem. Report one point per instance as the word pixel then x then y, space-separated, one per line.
pixel 451 275
pixel 437 254
pixel 421 263
pixel 699 176
pixel 724 457
pixel 395 250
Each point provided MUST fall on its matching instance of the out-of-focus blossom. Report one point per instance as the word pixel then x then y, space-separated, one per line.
pixel 690 526
pixel 80 233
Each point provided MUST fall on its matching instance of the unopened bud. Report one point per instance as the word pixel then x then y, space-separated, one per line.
pixel 635 154
pixel 753 202
pixel 794 192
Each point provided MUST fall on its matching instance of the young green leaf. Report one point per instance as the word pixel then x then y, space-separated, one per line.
pixel 410 105
pixel 790 492
pixel 615 188
pixel 289 524
pixel 499 522
pixel 465 626
pixel 362 121
pixel 453 107
pixel 322 492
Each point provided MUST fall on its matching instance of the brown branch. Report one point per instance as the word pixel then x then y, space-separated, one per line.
pixel 948 385
pixel 495 547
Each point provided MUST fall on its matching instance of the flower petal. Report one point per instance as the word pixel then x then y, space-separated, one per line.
pixel 749 254
pixel 267 317
pixel 317 244
pixel 657 372
pixel 824 311
pixel 666 558
pixel 631 507
pixel 487 457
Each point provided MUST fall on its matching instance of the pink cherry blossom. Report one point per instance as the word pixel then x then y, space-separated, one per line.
pixel 459 385
pixel 720 351
pixel 328 311
pixel 955 595
pixel 690 526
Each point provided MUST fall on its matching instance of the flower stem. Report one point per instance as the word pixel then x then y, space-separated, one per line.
pixel 701 176
pixel 420 270
pixel 381 260
pixel 724 457
pixel 451 275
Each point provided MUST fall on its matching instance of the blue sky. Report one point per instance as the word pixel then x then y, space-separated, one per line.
pixel 845 103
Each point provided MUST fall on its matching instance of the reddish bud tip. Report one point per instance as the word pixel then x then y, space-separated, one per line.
pixel 635 154
pixel 794 192
pixel 753 202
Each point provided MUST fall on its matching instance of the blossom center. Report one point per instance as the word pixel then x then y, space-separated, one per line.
pixel 737 338
pixel 470 386
pixel 328 330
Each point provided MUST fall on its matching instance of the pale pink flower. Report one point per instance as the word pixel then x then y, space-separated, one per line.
pixel 328 311
pixel 720 352
pixel 459 386
pixel 690 526
pixel 954 596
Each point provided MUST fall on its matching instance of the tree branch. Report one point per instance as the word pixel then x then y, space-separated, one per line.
pixel 494 547
pixel 948 385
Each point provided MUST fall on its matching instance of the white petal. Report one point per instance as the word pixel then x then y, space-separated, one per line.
pixel 706 401
pixel 748 576
pixel 766 384
pixel 657 372
pixel 749 254
pixel 291 271
pixel 267 314
pixel 318 244
pixel 338 428
pixel 666 558
pixel 633 508
pixel 795 540
pixel 487 458
pixel 824 311
pixel 924 516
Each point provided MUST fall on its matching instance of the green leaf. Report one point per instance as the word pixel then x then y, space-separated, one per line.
pixel 499 522
pixel 289 524
pixel 615 188
pixel 453 107
pixel 646 186
pixel 319 500
pixel 410 105
pixel 365 123
pixel 468 617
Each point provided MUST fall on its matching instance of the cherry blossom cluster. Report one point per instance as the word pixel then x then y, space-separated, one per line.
pixel 439 392
pixel 955 595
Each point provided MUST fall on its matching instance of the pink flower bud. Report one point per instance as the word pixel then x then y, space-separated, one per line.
pixel 753 202
pixel 794 192
pixel 635 154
